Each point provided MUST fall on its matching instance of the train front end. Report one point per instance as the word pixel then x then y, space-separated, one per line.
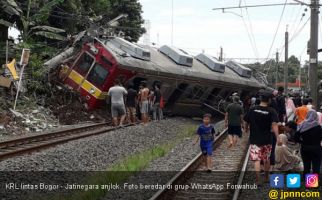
pixel 91 73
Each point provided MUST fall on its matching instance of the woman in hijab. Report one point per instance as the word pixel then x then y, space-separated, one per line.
pixel 285 160
pixel 290 109
pixel 309 135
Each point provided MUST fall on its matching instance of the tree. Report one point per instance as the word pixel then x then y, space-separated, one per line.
pixel 134 20
pixel 78 15
pixel 270 67
pixel 30 17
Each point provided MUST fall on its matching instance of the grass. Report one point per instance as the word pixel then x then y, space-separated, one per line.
pixel 127 167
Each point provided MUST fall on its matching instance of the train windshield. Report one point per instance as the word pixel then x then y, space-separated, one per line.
pixel 97 75
pixel 84 63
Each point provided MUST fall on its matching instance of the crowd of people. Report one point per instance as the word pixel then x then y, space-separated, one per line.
pixel 301 126
pixel 274 121
pixel 127 105
pixel 263 116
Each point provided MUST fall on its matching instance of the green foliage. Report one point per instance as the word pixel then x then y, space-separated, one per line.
pixel 77 15
pixel 293 70
pixel 29 14
pixel 134 20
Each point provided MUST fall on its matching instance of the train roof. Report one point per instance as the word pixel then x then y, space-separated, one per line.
pixel 160 64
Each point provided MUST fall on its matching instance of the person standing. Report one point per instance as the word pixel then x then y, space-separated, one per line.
pixel 206 134
pixel 131 100
pixel 273 104
pixel 297 100
pixel 233 121
pixel 309 135
pixel 247 103
pixel 290 109
pixel 260 120
pixel 116 93
pixel 281 107
pixel 157 111
pixel 144 102
pixel 301 112
pixel 309 103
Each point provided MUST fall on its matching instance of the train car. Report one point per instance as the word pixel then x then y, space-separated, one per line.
pixel 189 85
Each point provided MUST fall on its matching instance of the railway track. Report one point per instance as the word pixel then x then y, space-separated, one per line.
pixel 228 167
pixel 23 145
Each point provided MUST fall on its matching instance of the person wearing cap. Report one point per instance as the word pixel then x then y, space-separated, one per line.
pixel 260 120
pixel 235 94
pixel 233 121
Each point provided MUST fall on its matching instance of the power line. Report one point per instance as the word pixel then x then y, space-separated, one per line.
pixel 251 31
pixel 254 6
pixel 250 38
pixel 296 34
pixel 281 50
pixel 277 28
pixel 295 20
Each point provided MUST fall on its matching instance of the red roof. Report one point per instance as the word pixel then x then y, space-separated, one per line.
pixel 296 84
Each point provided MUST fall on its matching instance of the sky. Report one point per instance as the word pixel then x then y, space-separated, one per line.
pixel 241 33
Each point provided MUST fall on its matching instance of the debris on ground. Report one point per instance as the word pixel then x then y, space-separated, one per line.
pixel 37 113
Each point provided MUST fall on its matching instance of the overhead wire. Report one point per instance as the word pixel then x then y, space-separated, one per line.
pixel 251 31
pixel 294 36
pixel 276 31
pixel 249 34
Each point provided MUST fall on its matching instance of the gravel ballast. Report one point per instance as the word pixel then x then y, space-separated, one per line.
pixel 98 152
pixel 160 171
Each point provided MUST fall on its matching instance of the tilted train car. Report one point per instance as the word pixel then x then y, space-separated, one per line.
pixel 188 83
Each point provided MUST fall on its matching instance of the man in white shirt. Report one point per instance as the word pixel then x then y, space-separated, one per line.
pixel 117 93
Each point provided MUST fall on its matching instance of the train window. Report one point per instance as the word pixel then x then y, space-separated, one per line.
pixel 84 63
pixel 97 75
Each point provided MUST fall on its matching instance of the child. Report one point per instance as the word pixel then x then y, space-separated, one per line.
pixel 206 134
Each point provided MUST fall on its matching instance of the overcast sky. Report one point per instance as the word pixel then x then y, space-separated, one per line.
pixel 197 27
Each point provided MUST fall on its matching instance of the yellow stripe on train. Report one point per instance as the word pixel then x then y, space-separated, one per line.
pixel 76 77
pixel 97 93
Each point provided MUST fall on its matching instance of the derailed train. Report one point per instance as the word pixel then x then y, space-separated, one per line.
pixel 190 85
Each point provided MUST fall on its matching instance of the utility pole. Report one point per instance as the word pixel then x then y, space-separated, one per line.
pixel 313 75
pixel 221 54
pixel 286 63
pixel 276 75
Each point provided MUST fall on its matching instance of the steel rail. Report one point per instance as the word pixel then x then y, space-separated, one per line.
pixel 242 174
pixel 191 166
pixel 23 145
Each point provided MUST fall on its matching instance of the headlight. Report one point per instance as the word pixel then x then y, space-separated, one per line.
pixel 92 91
